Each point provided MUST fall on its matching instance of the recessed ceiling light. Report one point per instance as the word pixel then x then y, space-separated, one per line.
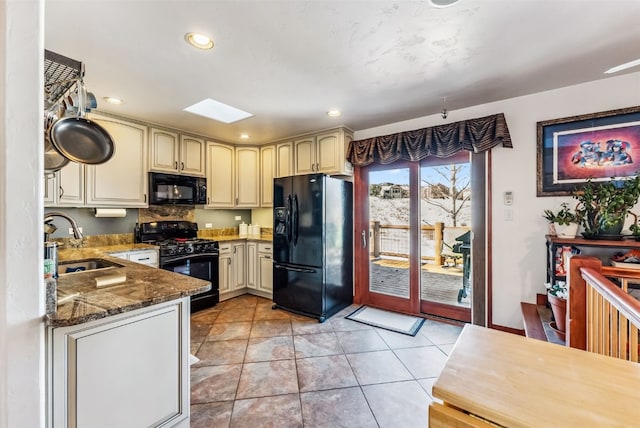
pixel 334 113
pixel 113 100
pixel 623 66
pixel 218 111
pixel 244 136
pixel 443 3
pixel 199 41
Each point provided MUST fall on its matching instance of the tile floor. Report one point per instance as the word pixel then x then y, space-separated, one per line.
pixel 261 367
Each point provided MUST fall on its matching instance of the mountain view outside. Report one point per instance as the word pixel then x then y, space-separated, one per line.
pixel 445 214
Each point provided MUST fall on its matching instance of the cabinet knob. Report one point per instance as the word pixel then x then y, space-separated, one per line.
pixel 61 191
pixel 175 165
pixel 182 166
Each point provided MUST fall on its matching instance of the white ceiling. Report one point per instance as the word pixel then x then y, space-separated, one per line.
pixel 288 62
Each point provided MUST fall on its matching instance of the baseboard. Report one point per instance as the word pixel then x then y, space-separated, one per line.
pixel 541 299
pixel 507 329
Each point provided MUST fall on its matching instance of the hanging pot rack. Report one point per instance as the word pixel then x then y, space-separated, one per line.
pixel 60 74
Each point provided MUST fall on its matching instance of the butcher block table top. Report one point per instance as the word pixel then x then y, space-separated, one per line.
pixel 515 381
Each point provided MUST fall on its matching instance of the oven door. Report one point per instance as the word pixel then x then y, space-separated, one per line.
pixel 203 266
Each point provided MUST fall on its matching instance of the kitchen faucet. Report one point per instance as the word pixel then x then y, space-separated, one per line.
pixel 50 228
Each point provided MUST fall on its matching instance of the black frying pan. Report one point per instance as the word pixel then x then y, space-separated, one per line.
pixel 81 140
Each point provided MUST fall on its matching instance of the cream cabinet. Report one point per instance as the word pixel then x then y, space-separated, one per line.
pixel 260 269
pixel 247 177
pixel 220 176
pixel 232 275
pixel 305 155
pixel 265 268
pixel 284 159
pixel 173 153
pixel 145 257
pixel 323 153
pixel 125 370
pixel 252 271
pixel 267 173
pixel 121 181
pixel 66 187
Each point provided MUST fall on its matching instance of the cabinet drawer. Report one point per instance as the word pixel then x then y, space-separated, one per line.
pixel 144 257
pixel 225 248
pixel 265 248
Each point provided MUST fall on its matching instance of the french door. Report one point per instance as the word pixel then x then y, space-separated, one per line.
pixel 414 222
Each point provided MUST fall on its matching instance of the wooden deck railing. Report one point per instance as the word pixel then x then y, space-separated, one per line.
pixel 601 316
pixel 393 240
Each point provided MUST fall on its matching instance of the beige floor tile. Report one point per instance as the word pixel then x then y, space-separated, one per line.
pixel 320 373
pixel 267 378
pixel 269 349
pixel 282 411
pixel 336 408
pixel 398 404
pixel 378 367
pixel 211 415
pixel 214 383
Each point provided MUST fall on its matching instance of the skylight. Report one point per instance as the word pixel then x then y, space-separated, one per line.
pixel 216 110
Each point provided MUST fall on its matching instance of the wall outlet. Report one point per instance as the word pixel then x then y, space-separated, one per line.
pixel 208 225
pixel 238 217
pixel 71 230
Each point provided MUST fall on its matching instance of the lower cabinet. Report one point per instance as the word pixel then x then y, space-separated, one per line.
pixel 245 267
pixel 145 257
pixel 232 276
pixel 265 262
pixel 126 370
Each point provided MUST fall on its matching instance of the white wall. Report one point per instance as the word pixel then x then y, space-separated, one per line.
pixel 519 245
pixel 21 195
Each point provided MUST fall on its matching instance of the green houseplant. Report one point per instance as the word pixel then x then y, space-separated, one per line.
pixel 565 221
pixel 604 206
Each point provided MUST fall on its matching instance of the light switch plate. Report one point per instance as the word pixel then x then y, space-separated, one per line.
pixel 71 230
pixel 238 217
pixel 208 225
pixel 508 197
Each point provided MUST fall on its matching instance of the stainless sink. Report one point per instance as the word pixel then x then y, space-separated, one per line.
pixel 69 267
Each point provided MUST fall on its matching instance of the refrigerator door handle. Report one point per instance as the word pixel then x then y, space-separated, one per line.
pixel 288 220
pixel 295 220
pixel 364 239
pixel 295 269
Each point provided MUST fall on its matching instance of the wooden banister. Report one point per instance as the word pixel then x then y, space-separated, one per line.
pixel 602 317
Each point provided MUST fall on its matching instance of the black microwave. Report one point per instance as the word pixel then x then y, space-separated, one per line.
pixel 172 189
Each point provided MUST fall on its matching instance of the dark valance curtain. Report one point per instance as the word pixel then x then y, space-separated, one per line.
pixel 475 135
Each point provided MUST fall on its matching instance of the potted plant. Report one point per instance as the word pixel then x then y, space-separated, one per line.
pixel 557 294
pixel 565 222
pixel 604 206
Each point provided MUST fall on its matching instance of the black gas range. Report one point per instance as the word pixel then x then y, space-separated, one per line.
pixel 181 251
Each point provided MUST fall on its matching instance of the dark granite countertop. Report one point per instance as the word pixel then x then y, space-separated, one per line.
pixel 80 300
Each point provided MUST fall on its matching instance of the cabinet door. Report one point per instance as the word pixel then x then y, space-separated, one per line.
pixel 192 156
pixel 71 185
pixel 225 273
pixel 331 152
pixel 327 153
pixel 247 177
pixel 238 265
pixel 267 173
pixel 50 189
pixel 266 273
pixel 284 155
pixel 220 176
pixel 139 362
pixel 305 155
pixel 164 151
pixel 121 181
pixel 252 265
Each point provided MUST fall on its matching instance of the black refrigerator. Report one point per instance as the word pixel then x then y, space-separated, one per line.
pixel 312 244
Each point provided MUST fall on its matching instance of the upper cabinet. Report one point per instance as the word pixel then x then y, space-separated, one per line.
pixel 220 176
pixel 173 153
pixel 284 159
pixel 267 173
pixel 325 153
pixel 247 177
pixel 121 181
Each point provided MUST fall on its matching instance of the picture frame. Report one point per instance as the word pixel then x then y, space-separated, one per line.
pixel 597 147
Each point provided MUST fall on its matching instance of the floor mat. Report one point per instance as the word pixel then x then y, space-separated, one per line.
pixel 400 323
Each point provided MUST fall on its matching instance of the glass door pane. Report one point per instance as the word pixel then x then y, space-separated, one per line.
pixel 445 237
pixel 389 234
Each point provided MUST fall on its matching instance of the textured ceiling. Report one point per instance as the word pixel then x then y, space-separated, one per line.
pixel 288 62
